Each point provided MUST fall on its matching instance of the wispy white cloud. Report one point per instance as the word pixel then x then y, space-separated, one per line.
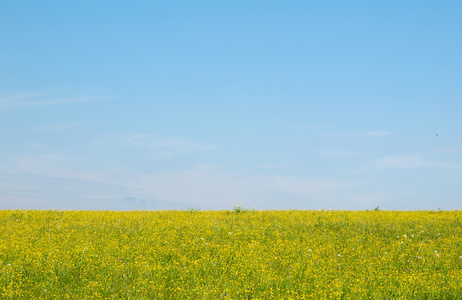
pixel 306 126
pixel 44 192
pixel 271 166
pixel 14 98
pixel 447 150
pixel 341 154
pixel 58 101
pixel 59 127
pixel 413 162
pixel 43 98
pixel 361 134
pixel 214 188
pixel 402 161
pixel 302 186
pixel 54 165
pixel 206 186
pixel 166 147
pixel 375 133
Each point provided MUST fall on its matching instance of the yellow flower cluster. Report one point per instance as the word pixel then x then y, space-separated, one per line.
pixel 230 254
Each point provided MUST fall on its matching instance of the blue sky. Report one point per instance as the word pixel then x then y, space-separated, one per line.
pixel 208 104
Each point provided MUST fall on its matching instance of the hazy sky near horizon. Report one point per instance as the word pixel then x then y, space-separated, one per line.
pixel 208 104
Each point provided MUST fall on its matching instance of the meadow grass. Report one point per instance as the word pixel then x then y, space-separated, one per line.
pixel 234 254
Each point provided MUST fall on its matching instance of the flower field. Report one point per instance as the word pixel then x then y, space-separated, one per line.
pixel 230 254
